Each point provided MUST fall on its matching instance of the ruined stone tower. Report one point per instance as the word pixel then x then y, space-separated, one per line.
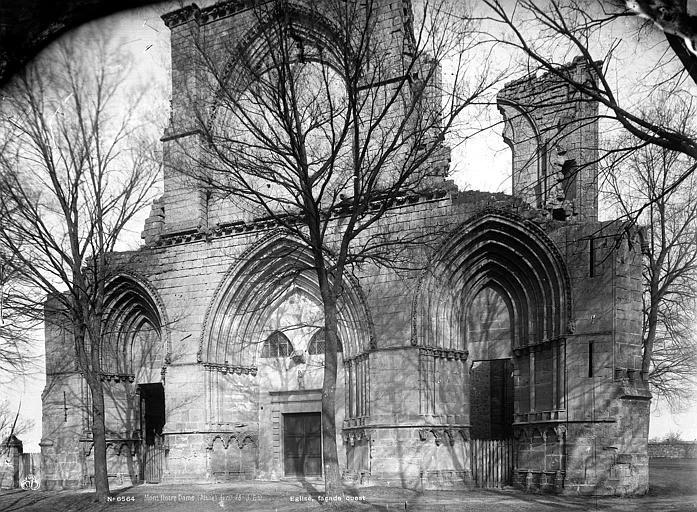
pixel 518 334
pixel 553 133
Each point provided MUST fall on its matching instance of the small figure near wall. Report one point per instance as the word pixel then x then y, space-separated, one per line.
pixel 301 379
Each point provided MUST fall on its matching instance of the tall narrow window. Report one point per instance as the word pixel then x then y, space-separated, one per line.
pixel 277 345
pixel 591 257
pixel 590 359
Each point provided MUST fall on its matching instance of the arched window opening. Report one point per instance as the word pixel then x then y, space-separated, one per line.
pixel 277 345
pixel 255 117
pixel 317 344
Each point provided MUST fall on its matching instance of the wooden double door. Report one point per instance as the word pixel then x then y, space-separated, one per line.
pixel 302 444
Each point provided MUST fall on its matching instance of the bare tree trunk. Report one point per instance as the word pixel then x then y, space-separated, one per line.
pixel 101 480
pixel 332 473
pixel 89 365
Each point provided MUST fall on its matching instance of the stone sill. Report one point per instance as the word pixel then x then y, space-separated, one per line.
pixel 540 416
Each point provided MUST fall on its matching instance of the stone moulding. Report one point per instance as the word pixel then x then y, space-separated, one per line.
pixel 358 421
pixel 206 15
pixel 116 444
pixel 348 362
pixel 236 278
pixel 267 224
pixel 242 439
pixel 555 415
pixel 537 346
pixel 227 368
pixel 117 377
pixel 449 434
pixel 181 16
pixel 444 353
pixel 358 434
pixel 537 241
pixel 529 432
pixel 151 293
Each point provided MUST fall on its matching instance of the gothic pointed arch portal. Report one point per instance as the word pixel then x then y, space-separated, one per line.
pixel 497 292
pixel 135 340
pixel 275 279
pixel 499 250
pixel 134 356
pixel 258 342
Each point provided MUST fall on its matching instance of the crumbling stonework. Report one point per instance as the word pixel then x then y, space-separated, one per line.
pixel 553 133
pixel 521 326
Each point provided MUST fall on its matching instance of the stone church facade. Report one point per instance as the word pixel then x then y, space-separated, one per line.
pixel 512 354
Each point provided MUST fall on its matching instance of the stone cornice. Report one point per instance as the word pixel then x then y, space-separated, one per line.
pixel 363 356
pixel 181 16
pixel 228 368
pixel 538 345
pixel 117 377
pixel 550 416
pixel 269 223
pixel 445 353
pixel 446 433
pixel 206 15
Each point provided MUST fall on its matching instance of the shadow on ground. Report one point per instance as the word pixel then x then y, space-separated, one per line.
pixel 674 488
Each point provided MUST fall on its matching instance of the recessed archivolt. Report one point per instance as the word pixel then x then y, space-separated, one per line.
pixel 495 249
pixel 264 277
pixel 132 307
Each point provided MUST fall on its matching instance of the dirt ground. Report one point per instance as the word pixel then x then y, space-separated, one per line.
pixel 673 488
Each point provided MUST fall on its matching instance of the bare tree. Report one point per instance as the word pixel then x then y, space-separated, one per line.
pixel 12 421
pixel 679 26
pixel 74 170
pixel 16 343
pixel 645 177
pixel 543 34
pixel 325 139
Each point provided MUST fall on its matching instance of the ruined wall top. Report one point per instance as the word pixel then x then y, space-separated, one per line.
pixel 552 129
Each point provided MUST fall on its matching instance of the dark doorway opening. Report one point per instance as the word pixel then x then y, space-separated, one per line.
pixel 152 421
pixel 491 399
pixel 302 444
pixel 491 418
